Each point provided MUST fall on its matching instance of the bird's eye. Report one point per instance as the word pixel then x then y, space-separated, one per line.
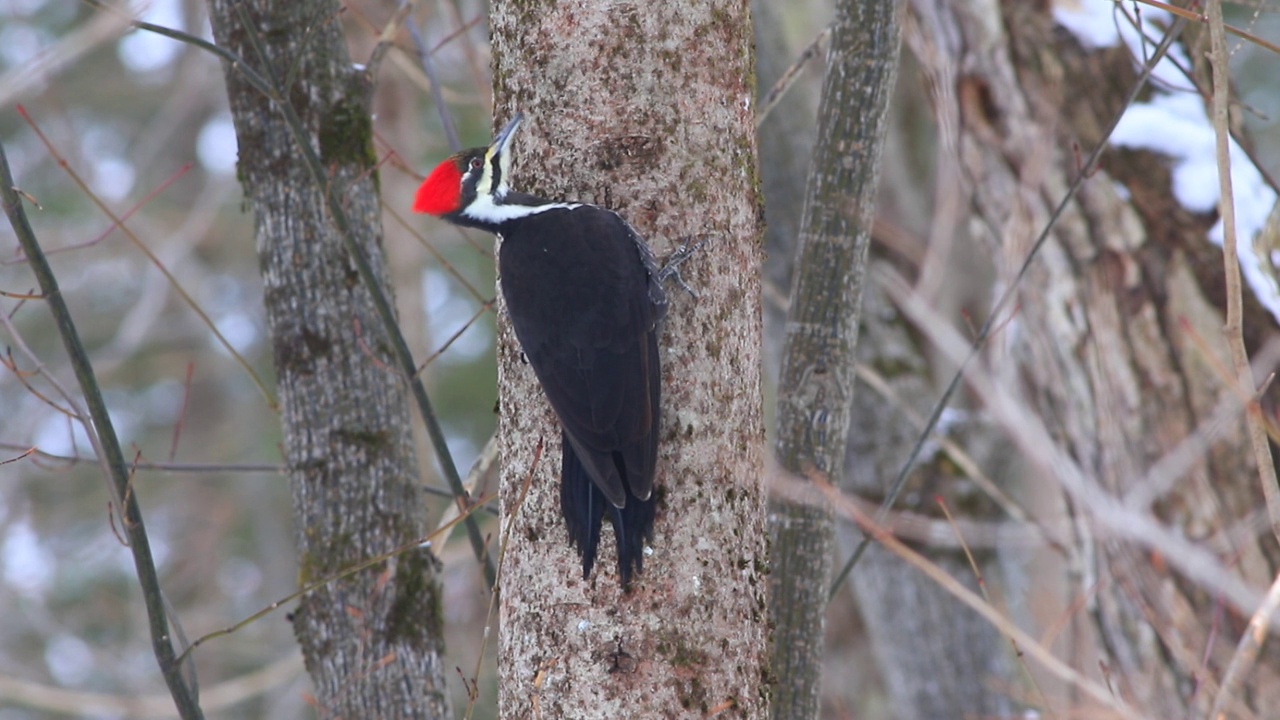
pixel 476 163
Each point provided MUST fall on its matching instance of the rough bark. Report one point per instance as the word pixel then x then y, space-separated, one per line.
pixel 647 109
pixel 371 640
pixel 1117 344
pixel 815 389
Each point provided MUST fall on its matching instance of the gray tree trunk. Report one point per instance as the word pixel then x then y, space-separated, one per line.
pixel 815 388
pixel 648 110
pixel 1117 343
pixel 371 640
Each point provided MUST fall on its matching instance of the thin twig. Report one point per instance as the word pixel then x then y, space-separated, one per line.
pixel 957 590
pixel 1033 438
pixel 1194 80
pixel 36 455
pixel 484 463
pixel 182 411
pixel 478 66
pixel 439 257
pixel 1246 654
pixel 970 467
pixel 224 696
pixel 257 81
pixel 110 228
pixel 1185 14
pixel 266 86
pixel 981 580
pixel 27 78
pixel 1251 643
pixel 76 413
pixel 1234 327
pixel 480 311
pixel 426 540
pixel 139 544
pixel 437 90
pixel 503 543
pixel 387 40
pixel 790 76
pixel 142 247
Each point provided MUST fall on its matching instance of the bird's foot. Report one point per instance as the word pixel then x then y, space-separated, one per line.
pixel 671 269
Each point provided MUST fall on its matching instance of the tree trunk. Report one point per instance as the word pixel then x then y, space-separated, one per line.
pixel 815 388
pixel 1117 342
pixel 647 110
pixel 936 657
pixel 371 640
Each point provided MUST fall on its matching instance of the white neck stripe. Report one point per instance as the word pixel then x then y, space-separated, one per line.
pixel 485 210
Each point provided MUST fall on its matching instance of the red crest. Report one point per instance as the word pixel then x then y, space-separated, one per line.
pixel 441 192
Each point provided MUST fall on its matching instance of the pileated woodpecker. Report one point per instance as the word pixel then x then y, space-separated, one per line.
pixel 585 297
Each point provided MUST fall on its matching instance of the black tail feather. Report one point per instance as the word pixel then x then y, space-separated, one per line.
pixel 584 507
pixel 632 526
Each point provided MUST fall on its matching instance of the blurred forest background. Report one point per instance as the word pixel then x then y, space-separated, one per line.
pixel 183 358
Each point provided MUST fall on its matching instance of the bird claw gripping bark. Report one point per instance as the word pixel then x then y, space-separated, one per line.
pixel 671 269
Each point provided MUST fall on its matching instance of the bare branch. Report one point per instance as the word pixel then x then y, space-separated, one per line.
pixel 789 77
pixel 1234 329
pixel 137 242
pixel 223 696
pixel 1030 645
pixel 1251 642
pixel 1030 434
pixel 139 544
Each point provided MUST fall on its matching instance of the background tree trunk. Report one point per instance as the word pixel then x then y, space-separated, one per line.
pixel 815 387
pixel 371 640
pixel 1117 341
pixel 648 110
pixel 937 658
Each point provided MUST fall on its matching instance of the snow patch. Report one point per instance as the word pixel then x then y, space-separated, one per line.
pixel 1175 123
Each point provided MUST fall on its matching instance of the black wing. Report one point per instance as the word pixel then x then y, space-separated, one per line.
pixel 579 295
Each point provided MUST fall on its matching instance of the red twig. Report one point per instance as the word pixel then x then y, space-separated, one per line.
pixel 182 414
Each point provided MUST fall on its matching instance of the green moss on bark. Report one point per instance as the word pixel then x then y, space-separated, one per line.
pixel 416 613
pixel 346 136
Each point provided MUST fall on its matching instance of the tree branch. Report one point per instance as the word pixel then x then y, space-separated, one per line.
pixel 184 695
pixel 815 389
pixel 1234 327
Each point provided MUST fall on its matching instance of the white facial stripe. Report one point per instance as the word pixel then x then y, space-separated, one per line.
pixel 486 210
pixel 504 164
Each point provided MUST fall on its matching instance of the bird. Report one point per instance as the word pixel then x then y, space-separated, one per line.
pixel 584 295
